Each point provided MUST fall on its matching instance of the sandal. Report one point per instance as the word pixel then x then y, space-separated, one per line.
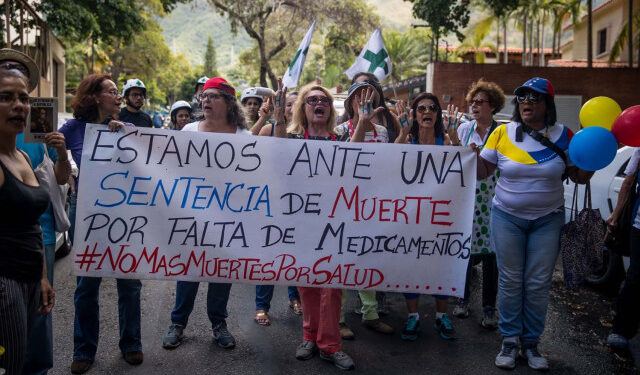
pixel 296 307
pixel 262 318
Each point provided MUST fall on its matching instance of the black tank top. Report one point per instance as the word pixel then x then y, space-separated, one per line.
pixel 21 248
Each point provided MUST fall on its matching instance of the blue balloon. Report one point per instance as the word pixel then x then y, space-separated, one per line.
pixel 593 148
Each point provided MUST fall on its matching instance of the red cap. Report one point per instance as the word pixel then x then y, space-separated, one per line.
pixel 220 84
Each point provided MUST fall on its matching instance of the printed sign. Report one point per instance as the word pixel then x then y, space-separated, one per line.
pixel 162 204
pixel 43 119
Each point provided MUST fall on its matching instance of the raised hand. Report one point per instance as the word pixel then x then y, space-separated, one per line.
pixel 266 109
pixel 57 141
pixel 279 103
pixel 451 123
pixel 365 105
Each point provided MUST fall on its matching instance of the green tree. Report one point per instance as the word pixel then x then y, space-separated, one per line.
pixel 277 26
pixel 210 65
pixel 406 53
pixel 475 42
pixel 501 10
pixel 443 16
pixel 623 38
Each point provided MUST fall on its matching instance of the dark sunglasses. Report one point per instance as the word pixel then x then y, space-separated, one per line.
pixel 431 108
pixel 479 101
pixel 320 100
pixel 532 97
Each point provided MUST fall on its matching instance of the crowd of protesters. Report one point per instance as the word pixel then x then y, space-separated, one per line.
pixel 518 214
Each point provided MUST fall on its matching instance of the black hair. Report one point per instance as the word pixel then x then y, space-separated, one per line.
pixel 438 127
pixel 235 114
pixel 550 115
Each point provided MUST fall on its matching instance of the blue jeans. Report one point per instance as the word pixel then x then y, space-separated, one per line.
pixel 526 251
pixel 264 293
pixel 39 357
pixel 217 298
pixel 86 325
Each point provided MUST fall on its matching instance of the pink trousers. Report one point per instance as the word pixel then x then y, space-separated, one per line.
pixel 321 316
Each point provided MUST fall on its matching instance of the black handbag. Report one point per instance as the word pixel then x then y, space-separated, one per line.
pixel 572 248
pixel 593 228
pixel 617 239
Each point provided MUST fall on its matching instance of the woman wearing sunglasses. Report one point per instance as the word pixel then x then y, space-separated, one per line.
pixel 314 118
pixel 423 125
pixel 486 99
pixel 527 213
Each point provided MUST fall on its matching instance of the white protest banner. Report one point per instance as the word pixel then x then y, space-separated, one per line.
pixel 373 58
pixel 162 204
pixel 294 71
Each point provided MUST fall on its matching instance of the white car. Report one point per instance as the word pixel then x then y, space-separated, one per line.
pixel 605 186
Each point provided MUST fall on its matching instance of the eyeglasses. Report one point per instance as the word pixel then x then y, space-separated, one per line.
pixel 112 92
pixel 6 98
pixel 431 108
pixel 532 97
pixel 319 100
pixel 137 95
pixel 19 67
pixel 210 97
pixel 479 101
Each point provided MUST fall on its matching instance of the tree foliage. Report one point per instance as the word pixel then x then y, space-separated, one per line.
pixel 408 55
pixel 277 26
pixel 210 64
pixel 443 16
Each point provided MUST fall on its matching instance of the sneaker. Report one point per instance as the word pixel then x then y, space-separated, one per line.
pixel 306 350
pixel 80 366
pixel 462 309
pixel 507 357
pixel 222 335
pixel 133 358
pixel 489 318
pixel 346 333
pixel 617 341
pixel 340 359
pixel 533 357
pixel 411 329
pixel 378 326
pixel 173 338
pixel 445 328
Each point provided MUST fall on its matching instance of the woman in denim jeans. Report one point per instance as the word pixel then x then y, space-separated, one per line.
pixel 527 215
pixel 98 101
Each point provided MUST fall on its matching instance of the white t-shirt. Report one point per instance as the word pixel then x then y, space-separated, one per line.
pixel 530 184
pixel 632 167
pixel 193 127
pixel 463 134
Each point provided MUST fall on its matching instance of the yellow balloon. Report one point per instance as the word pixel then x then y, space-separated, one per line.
pixel 599 111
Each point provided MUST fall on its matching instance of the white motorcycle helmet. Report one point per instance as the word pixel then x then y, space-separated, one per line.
pixel 134 83
pixel 177 105
pixel 255 92
pixel 201 81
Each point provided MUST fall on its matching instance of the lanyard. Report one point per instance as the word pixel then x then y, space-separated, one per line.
pixel 306 136
pixel 375 133
pixel 473 128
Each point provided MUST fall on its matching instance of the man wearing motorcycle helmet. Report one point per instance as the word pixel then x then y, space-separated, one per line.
pixel 134 93
pixel 196 106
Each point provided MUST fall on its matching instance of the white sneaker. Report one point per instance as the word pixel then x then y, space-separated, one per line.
pixel 534 358
pixel 507 357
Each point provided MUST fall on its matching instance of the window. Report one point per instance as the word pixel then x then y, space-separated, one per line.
pixel 602 42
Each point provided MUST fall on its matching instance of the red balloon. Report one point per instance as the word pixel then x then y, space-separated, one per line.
pixel 626 128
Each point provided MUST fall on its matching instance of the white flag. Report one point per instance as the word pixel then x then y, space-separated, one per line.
pixel 292 75
pixel 373 58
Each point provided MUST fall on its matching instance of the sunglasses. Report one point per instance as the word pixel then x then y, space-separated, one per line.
pixel 431 108
pixel 210 97
pixel 479 101
pixel 319 100
pixel 532 97
pixel 19 67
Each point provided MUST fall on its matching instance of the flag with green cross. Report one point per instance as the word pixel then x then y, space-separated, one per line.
pixel 293 73
pixel 373 58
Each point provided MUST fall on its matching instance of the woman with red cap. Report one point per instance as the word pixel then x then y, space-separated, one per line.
pixel 222 114
pixel 527 213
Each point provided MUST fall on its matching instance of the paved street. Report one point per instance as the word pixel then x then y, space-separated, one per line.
pixel 572 341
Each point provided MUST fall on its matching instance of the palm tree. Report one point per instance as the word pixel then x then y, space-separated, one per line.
pixel 475 43
pixel 623 38
pixel 407 56
pixel 589 34
pixel 561 10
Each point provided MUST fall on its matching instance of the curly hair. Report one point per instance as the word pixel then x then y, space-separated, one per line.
pixel 85 104
pixel 438 128
pixel 300 123
pixel 235 114
pixel 493 91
